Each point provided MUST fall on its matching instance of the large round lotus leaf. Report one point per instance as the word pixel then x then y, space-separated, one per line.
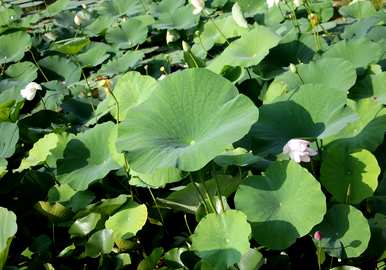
pixel 8 227
pixel 89 156
pixel 331 72
pixel 191 117
pixel 282 205
pixel 247 51
pixel 350 176
pixel 8 139
pixel 222 239
pixel 94 54
pixel 128 221
pixel 60 68
pixel 120 7
pixel 13 46
pixel 368 131
pixel 128 34
pixel 371 86
pixel 345 232
pixel 130 90
pixel 313 110
pixel 23 71
pixel 359 52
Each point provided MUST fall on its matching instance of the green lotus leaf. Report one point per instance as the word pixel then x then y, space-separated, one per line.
pixel 99 25
pixel 174 15
pixel 8 228
pixel 60 68
pixel 114 8
pixel 128 34
pixel 8 139
pixel 359 52
pixel 101 242
pixel 368 130
pixel 252 260
pixel 127 222
pixel 3 167
pixel 13 46
pixel 89 156
pixel 60 193
pixel 94 54
pixel 247 51
pixel 251 7
pixel 39 152
pixel 191 117
pixel 277 203
pixel 131 89
pixel 345 267
pixel 158 179
pixel 359 10
pixel 57 7
pixel 222 239
pixel 371 86
pixel 121 63
pixel 345 232
pixel 70 46
pixel 350 176
pixel 55 212
pixel 22 71
pixel 211 36
pixel 240 157
pixel 313 111
pixel 8 15
pixel 331 72
pixel 83 226
pixel 151 261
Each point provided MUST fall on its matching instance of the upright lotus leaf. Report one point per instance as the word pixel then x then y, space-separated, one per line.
pixel 368 130
pixel 60 68
pixel 222 239
pixel 172 14
pixel 13 46
pixel 331 72
pixel 8 139
pixel 359 52
pixel 101 242
pixel 345 232
pixel 350 176
pixel 89 156
pixel 127 222
pixel 8 228
pixel 94 54
pixel 39 152
pixel 23 71
pixel 55 212
pixel 128 34
pixel 283 204
pixel 83 226
pixel 70 46
pixel 114 8
pixel 247 51
pixel 158 179
pixel 130 90
pixel 313 111
pixel 371 86
pixel 191 117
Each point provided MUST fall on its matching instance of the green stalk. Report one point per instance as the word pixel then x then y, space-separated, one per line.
pixel 200 195
pixel 158 210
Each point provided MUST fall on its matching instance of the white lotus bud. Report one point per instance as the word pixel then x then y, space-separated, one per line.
pixel 238 16
pixel 80 17
pixel 29 91
pixel 185 46
pixel 299 150
pixel 198 5
pixel 171 36
pixel 292 68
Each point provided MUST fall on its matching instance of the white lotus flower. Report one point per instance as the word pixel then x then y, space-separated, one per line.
pixel 29 91
pixel 81 17
pixel 297 3
pixel 238 16
pixel 271 3
pixel 299 150
pixel 198 6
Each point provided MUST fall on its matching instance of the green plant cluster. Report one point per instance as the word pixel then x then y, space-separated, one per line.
pixel 140 134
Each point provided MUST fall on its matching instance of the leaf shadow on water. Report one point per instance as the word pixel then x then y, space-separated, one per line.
pixel 278 123
pixel 75 156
